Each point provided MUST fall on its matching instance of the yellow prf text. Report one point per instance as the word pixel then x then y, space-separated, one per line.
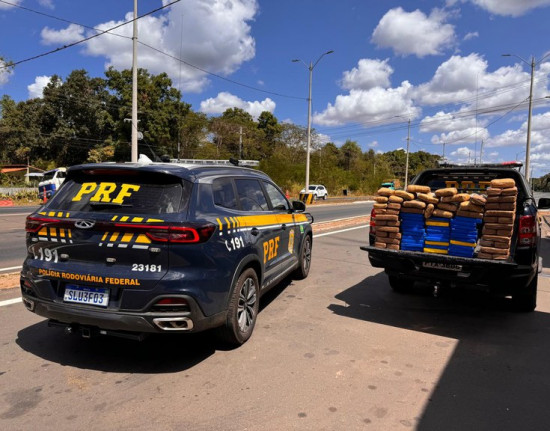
pixel 271 248
pixel 102 192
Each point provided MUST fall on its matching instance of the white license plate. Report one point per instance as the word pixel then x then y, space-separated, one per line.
pixel 437 265
pixel 86 295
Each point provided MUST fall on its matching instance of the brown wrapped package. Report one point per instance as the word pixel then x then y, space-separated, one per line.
pixel 395 199
pixel 387 218
pixel 507 206
pixel 492 191
pixel 460 197
pixel 394 207
pixel 470 206
pixel 513 191
pixel 405 195
pixel 447 207
pixel 427 198
pixel 493 250
pixel 498 213
pixel 380 206
pixel 470 214
pixel 503 183
pixel 387 229
pixel 380 244
pixel 477 199
pixel 414 204
pixel 381 199
pixel 393 212
pixel 449 191
pixel 389 240
pixel 442 213
pixel 384 191
pixel 429 210
pixel 413 188
pixel 393 247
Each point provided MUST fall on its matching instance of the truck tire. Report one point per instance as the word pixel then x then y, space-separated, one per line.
pixel 399 284
pixel 526 299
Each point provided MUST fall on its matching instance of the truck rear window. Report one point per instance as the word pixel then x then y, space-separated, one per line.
pixel 124 192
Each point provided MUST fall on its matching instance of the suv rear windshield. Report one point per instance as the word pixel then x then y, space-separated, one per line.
pixel 130 192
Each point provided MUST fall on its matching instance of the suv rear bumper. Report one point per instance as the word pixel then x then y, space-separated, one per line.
pixel 138 322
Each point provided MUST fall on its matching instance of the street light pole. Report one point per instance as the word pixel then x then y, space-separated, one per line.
pixel 407 162
pixel 134 89
pixel 308 152
pixel 528 144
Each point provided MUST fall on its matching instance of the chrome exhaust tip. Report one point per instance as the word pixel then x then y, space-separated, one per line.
pixel 28 304
pixel 174 323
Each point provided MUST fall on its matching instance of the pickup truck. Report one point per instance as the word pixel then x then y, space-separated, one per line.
pixel 516 276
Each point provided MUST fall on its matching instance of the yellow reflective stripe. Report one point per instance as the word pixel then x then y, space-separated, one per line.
pixel 60 214
pixel 220 224
pixel 114 218
pixel 436 250
pixel 437 243
pixel 125 218
pixel 70 233
pixel 104 237
pixel 62 233
pixel 43 231
pixel 300 217
pixel 42 213
pixel 437 223
pixel 127 237
pixel 265 220
pixel 114 236
pixel 137 219
pixel 154 220
pixel 53 231
pixel 51 214
pixel 465 244
pixel 228 223
pixel 142 239
pixel 67 215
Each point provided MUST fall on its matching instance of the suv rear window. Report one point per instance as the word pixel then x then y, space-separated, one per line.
pixel 130 192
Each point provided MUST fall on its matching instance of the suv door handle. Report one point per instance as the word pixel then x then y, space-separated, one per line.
pixel 255 231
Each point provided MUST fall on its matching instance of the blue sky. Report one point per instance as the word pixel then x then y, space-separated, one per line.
pixel 437 63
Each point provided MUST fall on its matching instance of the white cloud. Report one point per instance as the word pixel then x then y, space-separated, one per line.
pixel 510 7
pixel 7 6
pixel 36 88
pixel 216 38
pixel 369 73
pixel 448 121
pixel 5 72
pixel 471 35
pixel 464 136
pixel 414 33
pixel 48 4
pixel 462 155
pixel 376 104
pixel 225 100
pixel 373 144
pixel 70 34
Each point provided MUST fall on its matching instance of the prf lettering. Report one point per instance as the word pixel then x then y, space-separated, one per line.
pixel 271 248
pixel 102 192
pixel 466 185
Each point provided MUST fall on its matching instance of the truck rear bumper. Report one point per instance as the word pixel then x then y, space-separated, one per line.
pixel 492 275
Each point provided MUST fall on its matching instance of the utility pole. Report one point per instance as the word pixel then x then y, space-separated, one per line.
pixel 134 88
pixel 240 142
pixel 528 146
pixel 407 161
pixel 481 153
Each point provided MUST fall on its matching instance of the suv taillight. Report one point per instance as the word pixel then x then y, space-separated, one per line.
pixel 527 231
pixel 34 224
pixel 372 222
pixel 190 234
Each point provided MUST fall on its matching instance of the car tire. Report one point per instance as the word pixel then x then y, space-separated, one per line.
pixel 325 197
pixel 242 311
pixel 525 299
pixel 400 284
pixel 304 259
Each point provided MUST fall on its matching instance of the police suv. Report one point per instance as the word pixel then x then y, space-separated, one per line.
pixel 129 249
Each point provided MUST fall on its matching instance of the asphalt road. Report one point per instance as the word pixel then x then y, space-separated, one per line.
pixel 337 351
pixel 12 227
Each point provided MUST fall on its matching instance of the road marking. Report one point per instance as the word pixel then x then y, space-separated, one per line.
pixel 10 302
pixel 10 268
pixel 14 214
pixel 339 231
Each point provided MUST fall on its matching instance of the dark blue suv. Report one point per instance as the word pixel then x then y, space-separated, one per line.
pixel 129 249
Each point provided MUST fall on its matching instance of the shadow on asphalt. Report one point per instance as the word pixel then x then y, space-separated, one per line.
pixel 498 377
pixel 159 353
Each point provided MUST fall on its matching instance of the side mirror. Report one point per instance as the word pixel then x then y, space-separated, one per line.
pixel 298 206
pixel 544 203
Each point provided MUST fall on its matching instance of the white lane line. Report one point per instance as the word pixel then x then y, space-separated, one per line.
pixel 10 268
pixel 339 231
pixel 14 214
pixel 9 302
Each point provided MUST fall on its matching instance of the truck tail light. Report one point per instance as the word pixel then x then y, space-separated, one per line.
pixel 33 224
pixel 527 231
pixel 372 215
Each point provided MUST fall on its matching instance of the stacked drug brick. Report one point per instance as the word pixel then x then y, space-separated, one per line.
pixel 438 230
pixel 498 220
pixel 464 226
pixel 386 211
pixel 412 217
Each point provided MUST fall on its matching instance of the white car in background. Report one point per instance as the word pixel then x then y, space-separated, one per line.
pixel 319 191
